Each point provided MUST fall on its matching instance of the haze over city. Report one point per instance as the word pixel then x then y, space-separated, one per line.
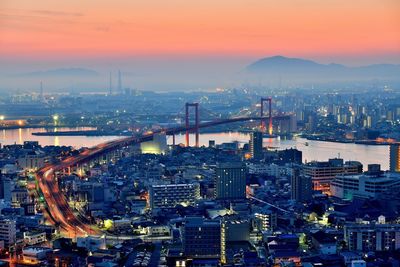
pixel 208 45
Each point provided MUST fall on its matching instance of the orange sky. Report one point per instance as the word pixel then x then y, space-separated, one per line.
pixel 49 28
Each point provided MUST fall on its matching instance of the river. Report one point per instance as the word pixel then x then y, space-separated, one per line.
pixel 18 136
pixel 315 150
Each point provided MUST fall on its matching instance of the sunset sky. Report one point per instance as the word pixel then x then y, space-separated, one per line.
pixel 99 28
pixel 180 44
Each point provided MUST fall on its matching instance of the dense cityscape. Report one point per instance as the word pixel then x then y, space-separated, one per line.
pixel 199 133
pixel 154 195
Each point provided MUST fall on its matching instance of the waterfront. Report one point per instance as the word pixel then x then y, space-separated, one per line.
pixel 312 150
pixel 18 136
pixel 315 150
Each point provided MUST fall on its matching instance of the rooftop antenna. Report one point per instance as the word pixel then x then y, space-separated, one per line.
pixel 110 85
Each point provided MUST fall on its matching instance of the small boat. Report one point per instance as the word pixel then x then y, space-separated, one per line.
pixel 270 136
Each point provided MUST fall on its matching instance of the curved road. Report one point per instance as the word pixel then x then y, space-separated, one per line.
pixel 58 207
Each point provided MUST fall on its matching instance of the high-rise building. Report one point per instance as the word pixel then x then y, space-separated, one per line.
pixel 5 188
pixel 256 145
pixel 301 187
pixel 230 181
pixel 395 158
pixel 170 195
pixel 291 155
pixel 201 238
pixel 233 230
pixel 323 172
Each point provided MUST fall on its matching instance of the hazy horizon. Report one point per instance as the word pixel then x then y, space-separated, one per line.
pixel 180 45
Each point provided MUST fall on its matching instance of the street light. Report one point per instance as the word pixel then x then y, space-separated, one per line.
pixel 55 119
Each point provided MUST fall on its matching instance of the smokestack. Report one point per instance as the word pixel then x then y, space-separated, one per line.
pixel 119 82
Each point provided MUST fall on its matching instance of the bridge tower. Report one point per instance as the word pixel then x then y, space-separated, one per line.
pixel 269 100
pixel 197 122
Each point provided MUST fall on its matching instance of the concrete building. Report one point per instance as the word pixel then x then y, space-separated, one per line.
pixel 290 155
pixel 91 243
pixel 201 238
pixel 368 185
pixel 233 230
pixel 323 172
pixel 301 187
pixel 19 196
pixel 8 230
pixel 157 146
pixel 6 187
pixel 34 238
pixel 230 181
pixel 394 158
pixel 265 220
pixel 324 243
pixel 170 195
pixel 372 237
pixel 32 161
pixel 256 145
pixel 35 255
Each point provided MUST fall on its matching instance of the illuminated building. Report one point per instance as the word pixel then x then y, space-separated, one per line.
pixel 323 172
pixel 201 238
pixel 256 145
pixel 233 230
pixel 395 158
pixel 170 195
pixel 368 185
pixel 265 220
pixel 10 123
pixel 230 181
pixel 34 238
pixel 157 146
pixel 35 255
pixel 372 237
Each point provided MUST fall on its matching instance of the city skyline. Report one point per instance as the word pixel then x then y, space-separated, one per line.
pixel 186 133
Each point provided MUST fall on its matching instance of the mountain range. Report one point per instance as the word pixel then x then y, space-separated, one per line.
pixel 307 69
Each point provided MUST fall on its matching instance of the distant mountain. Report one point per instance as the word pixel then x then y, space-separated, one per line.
pixel 81 72
pixel 307 70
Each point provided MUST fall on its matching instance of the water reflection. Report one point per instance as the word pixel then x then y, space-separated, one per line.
pixel 314 150
pixel 18 136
